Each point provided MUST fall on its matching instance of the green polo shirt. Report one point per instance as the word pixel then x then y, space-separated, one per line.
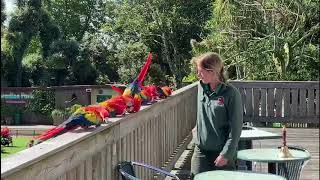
pixel 219 119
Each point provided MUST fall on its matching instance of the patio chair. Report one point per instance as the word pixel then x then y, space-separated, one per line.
pixel 126 169
pixel 292 170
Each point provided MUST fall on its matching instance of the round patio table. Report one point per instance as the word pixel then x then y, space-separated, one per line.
pixel 248 134
pixel 271 157
pixel 236 175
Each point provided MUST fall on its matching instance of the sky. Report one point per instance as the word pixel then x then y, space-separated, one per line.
pixel 9 8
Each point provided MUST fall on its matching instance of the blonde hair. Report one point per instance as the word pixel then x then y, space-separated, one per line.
pixel 210 61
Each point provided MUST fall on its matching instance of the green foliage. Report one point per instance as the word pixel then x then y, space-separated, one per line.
pixel 76 17
pixel 3 14
pixel 69 49
pixel 84 73
pixel 130 60
pixel 61 62
pixel 28 21
pixel 60 115
pixel 43 102
pixel 35 66
pixel 97 42
pixel 94 50
pixel 190 78
pixel 8 68
pixel 7 110
pixel 58 112
pixel 73 108
pixel 269 40
pixel 48 33
pixel 156 76
pixel 165 27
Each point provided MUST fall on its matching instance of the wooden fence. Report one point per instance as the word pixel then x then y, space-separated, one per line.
pixel 281 101
pixel 157 135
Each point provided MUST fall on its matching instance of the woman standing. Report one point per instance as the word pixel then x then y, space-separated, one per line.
pixel 219 117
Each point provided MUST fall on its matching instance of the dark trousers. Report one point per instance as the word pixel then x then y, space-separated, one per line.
pixel 203 161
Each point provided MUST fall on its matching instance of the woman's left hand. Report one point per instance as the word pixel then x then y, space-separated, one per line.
pixel 220 161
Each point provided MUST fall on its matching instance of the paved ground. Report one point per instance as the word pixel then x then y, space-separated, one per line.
pixel 308 138
pixel 182 166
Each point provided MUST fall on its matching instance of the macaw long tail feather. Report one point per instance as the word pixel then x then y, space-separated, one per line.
pixel 145 68
pixel 51 133
pixel 118 90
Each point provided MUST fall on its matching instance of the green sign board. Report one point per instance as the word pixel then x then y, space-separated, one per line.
pixel 16 96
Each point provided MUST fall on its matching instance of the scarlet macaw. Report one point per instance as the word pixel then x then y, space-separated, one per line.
pixel 129 100
pixel 82 117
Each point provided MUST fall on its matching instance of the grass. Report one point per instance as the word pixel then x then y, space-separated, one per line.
pixel 19 144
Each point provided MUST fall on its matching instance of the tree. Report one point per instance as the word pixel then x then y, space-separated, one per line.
pixel 131 58
pixel 76 17
pixel 42 102
pixel 276 37
pixel 163 26
pixel 95 50
pixel 29 21
pixel 84 73
pixel 3 14
pixel 36 68
pixel 63 57
pixel 3 56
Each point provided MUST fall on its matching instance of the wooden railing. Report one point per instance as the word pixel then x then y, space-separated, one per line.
pixel 156 135
pixel 280 101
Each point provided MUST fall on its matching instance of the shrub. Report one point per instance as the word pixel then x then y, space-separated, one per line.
pixel 42 102
pixel 58 116
pixel 7 109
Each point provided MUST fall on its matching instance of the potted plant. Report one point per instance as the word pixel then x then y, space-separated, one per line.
pixel 58 116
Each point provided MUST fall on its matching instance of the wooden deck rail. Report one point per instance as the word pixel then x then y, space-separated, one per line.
pixel 156 135
pixel 280 101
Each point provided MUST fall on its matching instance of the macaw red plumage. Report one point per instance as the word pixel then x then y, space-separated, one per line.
pixel 133 90
pixel 149 94
pixel 133 102
pixel 129 100
pixel 82 117
pixel 136 86
pixel 116 105
pixel 164 91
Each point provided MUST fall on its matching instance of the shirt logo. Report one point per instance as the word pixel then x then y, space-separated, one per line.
pixel 221 101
